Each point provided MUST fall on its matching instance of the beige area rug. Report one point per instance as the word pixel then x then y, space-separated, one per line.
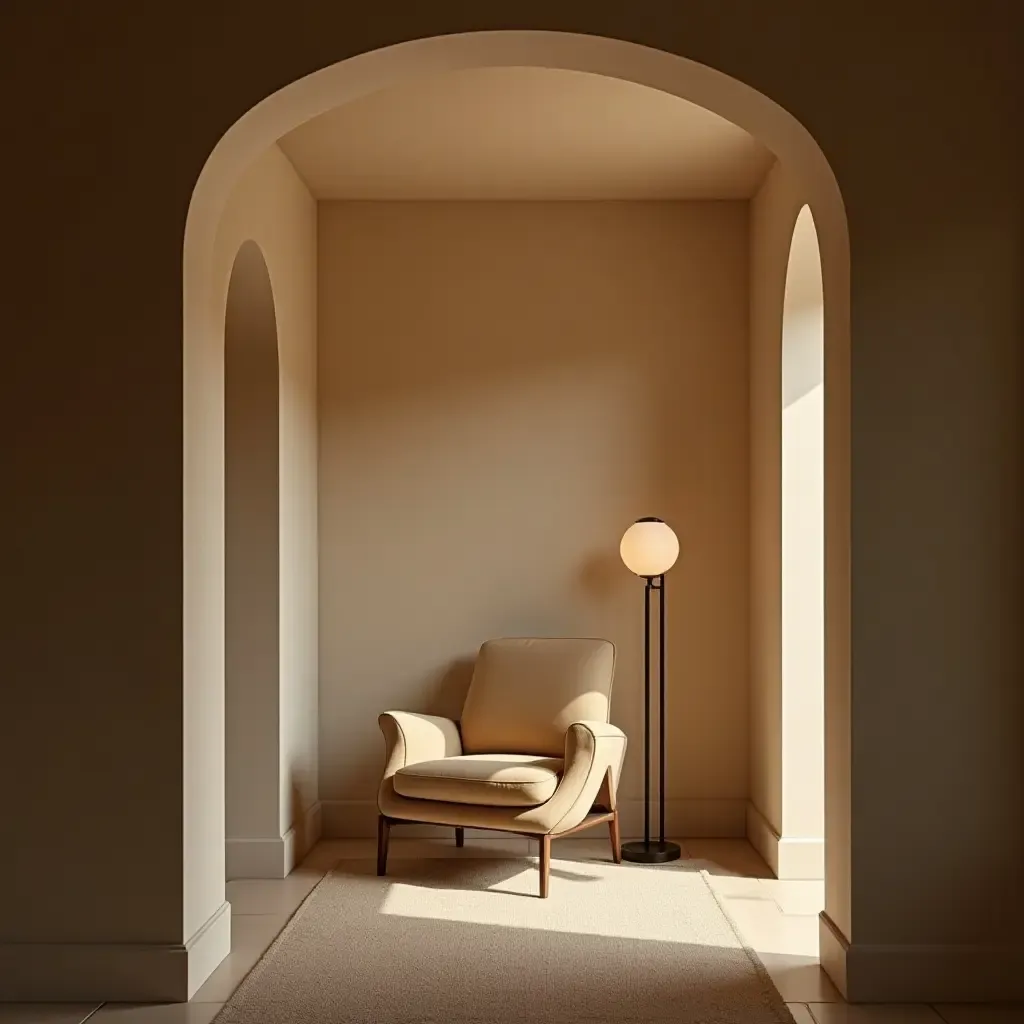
pixel 453 941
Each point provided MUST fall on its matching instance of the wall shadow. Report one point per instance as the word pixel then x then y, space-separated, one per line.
pixel 445 693
pixel 601 575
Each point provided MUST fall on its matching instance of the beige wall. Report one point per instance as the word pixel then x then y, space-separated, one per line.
pixel 504 388
pixel 107 161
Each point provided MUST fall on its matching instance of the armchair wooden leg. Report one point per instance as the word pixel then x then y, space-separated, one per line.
pixel 460 837
pixel 613 828
pixel 383 835
pixel 545 865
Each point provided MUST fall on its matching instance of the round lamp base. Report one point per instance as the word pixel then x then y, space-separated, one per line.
pixel 653 852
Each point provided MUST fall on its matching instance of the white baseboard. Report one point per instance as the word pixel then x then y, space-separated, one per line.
pixel 357 819
pixel 763 838
pixel 788 858
pixel 302 836
pixel 866 973
pixel 276 856
pixel 832 949
pixel 254 858
pixel 207 948
pixel 114 972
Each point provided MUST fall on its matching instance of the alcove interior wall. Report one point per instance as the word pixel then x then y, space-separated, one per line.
pixel 504 388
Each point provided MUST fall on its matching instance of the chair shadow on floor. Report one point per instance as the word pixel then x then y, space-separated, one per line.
pixel 511 875
pixel 446 874
pixel 454 872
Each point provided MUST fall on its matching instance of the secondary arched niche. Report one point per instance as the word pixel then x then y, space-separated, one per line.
pixel 252 622
pixel 792 646
pixel 803 558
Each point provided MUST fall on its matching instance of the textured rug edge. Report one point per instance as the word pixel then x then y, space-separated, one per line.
pixel 221 1016
pixel 777 1005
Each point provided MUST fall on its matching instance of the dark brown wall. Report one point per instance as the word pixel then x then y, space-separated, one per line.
pixel 109 112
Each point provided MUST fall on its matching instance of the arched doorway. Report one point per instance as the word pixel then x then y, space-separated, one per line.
pixel 346 81
pixel 803 558
pixel 251 567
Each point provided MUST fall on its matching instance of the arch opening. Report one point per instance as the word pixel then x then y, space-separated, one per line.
pixel 204 509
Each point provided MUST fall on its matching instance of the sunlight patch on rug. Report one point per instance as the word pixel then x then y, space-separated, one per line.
pixel 654 897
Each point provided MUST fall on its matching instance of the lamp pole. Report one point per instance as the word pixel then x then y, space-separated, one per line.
pixel 661 710
pixel 648 545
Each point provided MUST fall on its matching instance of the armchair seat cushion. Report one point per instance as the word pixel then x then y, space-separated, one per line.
pixel 488 780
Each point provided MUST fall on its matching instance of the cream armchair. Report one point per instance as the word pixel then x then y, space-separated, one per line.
pixel 533 754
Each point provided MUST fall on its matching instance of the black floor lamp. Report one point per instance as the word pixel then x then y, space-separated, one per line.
pixel 649 549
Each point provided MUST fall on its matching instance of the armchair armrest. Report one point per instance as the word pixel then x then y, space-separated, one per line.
pixel 599 731
pixel 410 738
pixel 594 752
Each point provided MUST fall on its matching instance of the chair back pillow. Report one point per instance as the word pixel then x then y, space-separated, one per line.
pixel 526 692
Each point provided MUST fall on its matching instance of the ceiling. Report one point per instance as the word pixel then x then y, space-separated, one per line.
pixel 524 133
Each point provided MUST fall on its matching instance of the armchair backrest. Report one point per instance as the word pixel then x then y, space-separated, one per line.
pixel 526 692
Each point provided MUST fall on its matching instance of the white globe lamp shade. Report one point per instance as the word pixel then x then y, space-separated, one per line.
pixel 649 547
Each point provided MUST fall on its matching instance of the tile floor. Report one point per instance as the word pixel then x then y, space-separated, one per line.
pixel 778 919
